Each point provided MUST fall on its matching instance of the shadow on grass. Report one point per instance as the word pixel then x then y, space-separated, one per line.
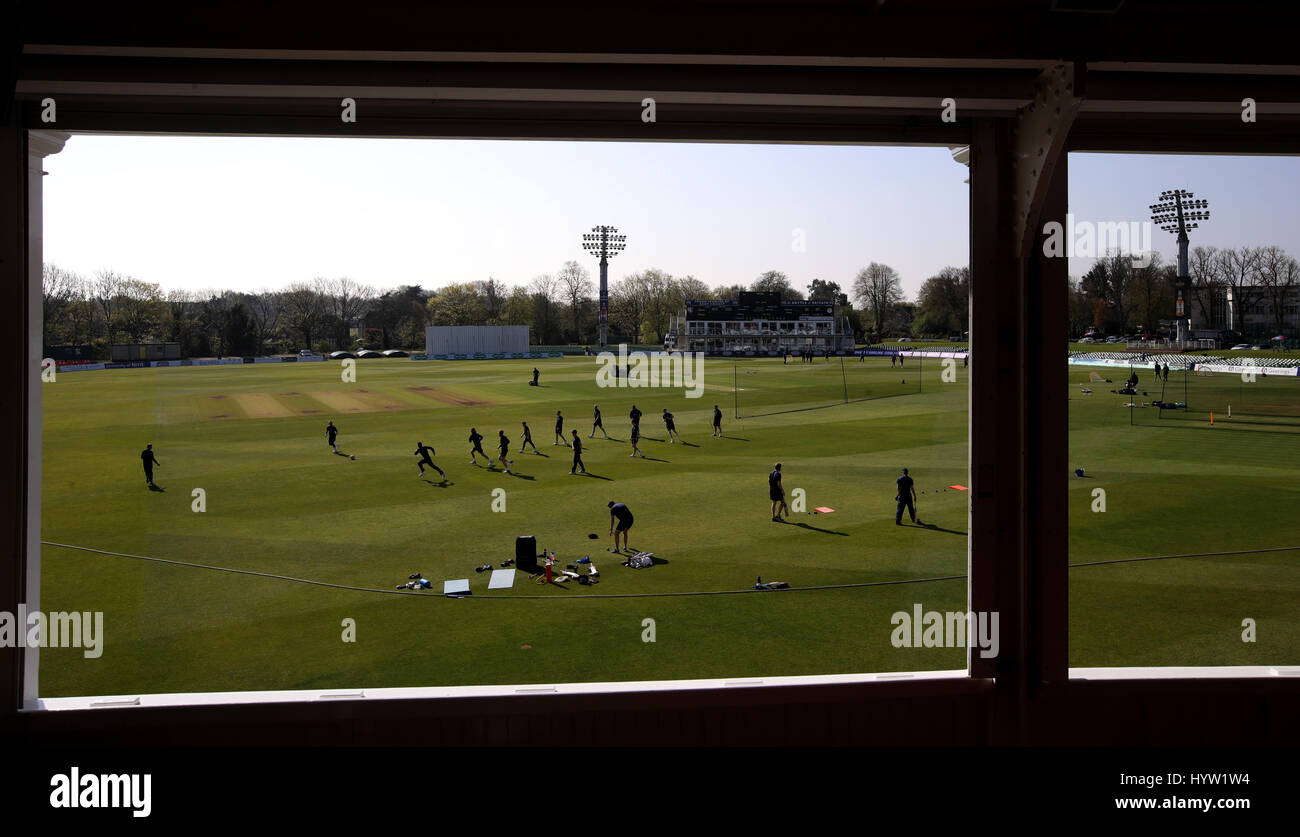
pixel 440 484
pixel 736 438
pixel 594 476
pixel 520 476
pixel 158 488
pixel 934 528
pixel 817 529
pixel 535 453
pixel 652 459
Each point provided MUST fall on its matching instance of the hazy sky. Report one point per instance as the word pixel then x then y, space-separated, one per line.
pixel 247 213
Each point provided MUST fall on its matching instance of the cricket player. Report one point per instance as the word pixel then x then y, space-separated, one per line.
pixel 577 455
pixel 476 439
pixel 332 433
pixel 717 421
pixel 559 430
pixel 619 514
pixel 672 428
pixel 528 440
pixel 906 498
pixel 149 460
pixel 503 443
pixel 424 452
pixel 597 423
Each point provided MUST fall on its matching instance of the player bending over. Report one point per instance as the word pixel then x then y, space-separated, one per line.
pixel 619 514
pixel 476 439
pixel 424 452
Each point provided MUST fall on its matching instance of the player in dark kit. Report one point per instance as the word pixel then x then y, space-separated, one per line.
pixel 635 415
pixel 636 437
pixel 149 460
pixel 476 439
pixel 528 440
pixel 717 421
pixel 672 428
pixel 776 493
pixel 424 452
pixel 559 430
pixel 504 444
pixel 620 514
pixel 332 433
pixel 906 498
pixel 577 455
pixel 597 423
pixel 535 374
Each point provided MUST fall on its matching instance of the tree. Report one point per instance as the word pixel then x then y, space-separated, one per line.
pixel 1152 292
pixel 1080 309
pixel 878 289
pixel 493 294
pixel 688 287
pixel 575 284
pixel 1237 269
pixel 728 292
pixel 456 305
pixel 1206 274
pixel 823 290
pixel 943 304
pixel 346 301
pixel 265 308
pixel 304 311
pixel 104 290
pixel 775 280
pixel 544 290
pixel 517 309
pixel 1278 275
pixel 60 291
pixel 137 309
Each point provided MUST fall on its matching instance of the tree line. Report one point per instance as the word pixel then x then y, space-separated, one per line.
pixel 328 314
pixel 1116 296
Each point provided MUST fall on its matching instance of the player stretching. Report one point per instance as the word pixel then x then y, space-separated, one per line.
pixel 672 428
pixel 504 444
pixel 597 423
pixel 476 439
pixel 332 433
pixel 559 431
pixel 636 437
pixel 528 440
pixel 717 421
pixel 424 452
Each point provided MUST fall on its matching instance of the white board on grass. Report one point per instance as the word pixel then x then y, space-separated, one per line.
pixel 502 579
pixel 455 585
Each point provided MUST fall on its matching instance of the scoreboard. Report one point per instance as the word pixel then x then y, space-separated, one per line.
pixel 759 306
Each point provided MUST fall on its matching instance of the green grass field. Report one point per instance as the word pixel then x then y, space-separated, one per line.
pixel 279 501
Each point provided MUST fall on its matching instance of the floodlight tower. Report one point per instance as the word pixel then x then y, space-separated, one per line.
pixel 606 243
pixel 1177 212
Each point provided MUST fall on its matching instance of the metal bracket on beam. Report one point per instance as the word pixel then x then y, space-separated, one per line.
pixel 1038 141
